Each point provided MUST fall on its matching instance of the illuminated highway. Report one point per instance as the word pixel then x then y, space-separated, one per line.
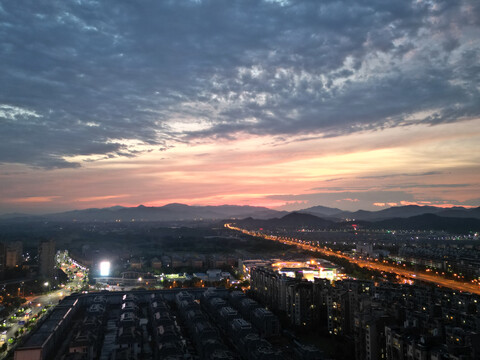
pixel 376 265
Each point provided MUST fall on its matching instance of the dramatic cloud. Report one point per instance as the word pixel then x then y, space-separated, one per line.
pixel 32 199
pixel 87 80
pixel 349 104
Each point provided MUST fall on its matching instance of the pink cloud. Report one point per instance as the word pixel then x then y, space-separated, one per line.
pixel 32 199
pixel 100 198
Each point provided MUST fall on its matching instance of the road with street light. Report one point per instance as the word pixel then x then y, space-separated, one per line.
pixel 35 307
pixel 374 265
pixel 38 305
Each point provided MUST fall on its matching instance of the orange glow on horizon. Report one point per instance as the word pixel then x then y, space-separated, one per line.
pixel 367 170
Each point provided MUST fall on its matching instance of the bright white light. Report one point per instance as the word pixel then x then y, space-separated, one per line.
pixel 105 268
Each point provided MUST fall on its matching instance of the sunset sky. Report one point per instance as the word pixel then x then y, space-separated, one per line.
pixel 285 104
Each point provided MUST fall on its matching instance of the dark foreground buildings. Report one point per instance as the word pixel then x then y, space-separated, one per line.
pixel 167 324
pixel 378 321
pixel 372 321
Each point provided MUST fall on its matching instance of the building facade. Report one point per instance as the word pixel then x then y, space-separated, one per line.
pixel 46 259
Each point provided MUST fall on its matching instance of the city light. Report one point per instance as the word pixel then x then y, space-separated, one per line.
pixel 105 268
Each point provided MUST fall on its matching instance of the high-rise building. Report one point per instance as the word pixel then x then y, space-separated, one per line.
pixel 14 254
pixel 2 260
pixel 46 258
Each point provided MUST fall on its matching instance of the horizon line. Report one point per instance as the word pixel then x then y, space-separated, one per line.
pixel 440 206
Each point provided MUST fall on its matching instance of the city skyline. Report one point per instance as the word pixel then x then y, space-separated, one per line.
pixel 263 103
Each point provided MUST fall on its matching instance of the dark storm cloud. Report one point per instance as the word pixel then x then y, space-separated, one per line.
pixel 90 77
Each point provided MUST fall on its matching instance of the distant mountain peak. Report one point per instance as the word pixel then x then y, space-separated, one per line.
pixel 175 205
pixel 321 211
pixel 116 207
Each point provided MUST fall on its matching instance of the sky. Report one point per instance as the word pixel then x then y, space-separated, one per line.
pixel 286 104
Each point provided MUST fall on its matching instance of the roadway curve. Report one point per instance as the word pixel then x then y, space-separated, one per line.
pixel 432 278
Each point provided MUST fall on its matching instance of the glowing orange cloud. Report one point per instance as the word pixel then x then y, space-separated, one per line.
pixel 100 198
pixel 255 169
pixel 33 199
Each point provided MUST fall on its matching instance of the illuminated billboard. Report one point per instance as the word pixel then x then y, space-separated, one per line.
pixel 105 268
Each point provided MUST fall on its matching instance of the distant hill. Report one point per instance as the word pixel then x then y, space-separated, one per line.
pixel 299 221
pixel 170 212
pixel 409 211
pixel 292 221
pixel 317 217
pixel 461 212
pixel 430 222
pixel 322 211
pixel 14 216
